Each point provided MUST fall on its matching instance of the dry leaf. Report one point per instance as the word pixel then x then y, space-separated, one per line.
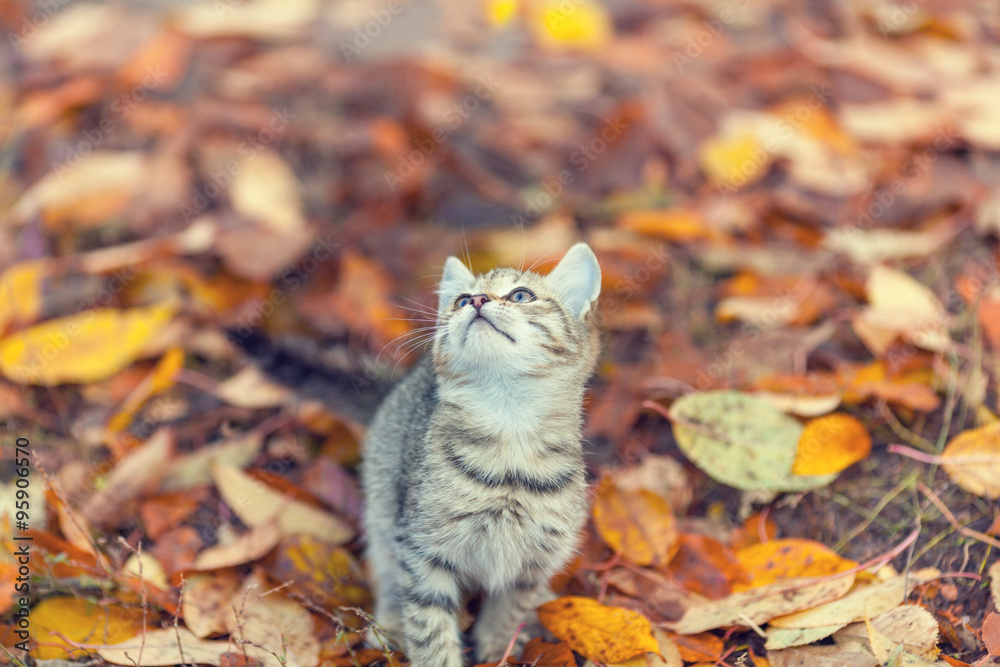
pixel 267 191
pixel 900 306
pixel 762 604
pixel 205 605
pixel 257 504
pixel 139 471
pixel 90 192
pixel 248 547
pixel 830 444
pixel 823 656
pixel 910 625
pixel 86 347
pixel 166 648
pixel 789 558
pixel 972 460
pixel 864 601
pixel 596 631
pixel 638 524
pixel 584 24
pixel 21 292
pixel 78 621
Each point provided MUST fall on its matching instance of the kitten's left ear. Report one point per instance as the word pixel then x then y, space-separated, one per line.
pixel 577 278
pixel 455 280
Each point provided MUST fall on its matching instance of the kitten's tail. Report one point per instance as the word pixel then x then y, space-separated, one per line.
pixel 331 376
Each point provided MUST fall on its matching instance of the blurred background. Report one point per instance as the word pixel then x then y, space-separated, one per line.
pixel 793 198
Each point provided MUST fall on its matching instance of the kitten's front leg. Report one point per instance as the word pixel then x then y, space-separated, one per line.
pixel 503 612
pixel 431 599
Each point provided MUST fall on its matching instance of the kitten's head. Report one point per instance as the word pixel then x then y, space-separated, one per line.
pixel 510 322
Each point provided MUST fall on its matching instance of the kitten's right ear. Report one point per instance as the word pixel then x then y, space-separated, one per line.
pixel 455 280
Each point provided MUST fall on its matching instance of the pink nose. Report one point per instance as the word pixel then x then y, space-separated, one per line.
pixel 478 300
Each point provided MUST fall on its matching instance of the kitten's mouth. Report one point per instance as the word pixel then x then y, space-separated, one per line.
pixel 485 319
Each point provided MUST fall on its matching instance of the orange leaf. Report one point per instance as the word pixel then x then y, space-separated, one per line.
pixel 598 632
pixel 159 380
pixel 972 460
pixel 672 225
pixel 542 654
pixel 638 524
pixel 991 633
pixel 702 646
pixel 789 558
pixel 831 443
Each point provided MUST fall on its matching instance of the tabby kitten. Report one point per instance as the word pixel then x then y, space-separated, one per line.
pixel 473 471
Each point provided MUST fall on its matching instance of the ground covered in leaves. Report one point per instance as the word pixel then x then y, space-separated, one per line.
pixel 792 436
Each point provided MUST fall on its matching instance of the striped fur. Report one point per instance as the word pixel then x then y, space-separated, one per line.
pixel 473 470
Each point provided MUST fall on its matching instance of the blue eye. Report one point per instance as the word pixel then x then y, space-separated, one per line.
pixel 521 295
pixel 462 301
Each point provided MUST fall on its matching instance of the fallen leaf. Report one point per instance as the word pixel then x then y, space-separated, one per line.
pixel 596 631
pixel 991 633
pixel 900 306
pixel 320 571
pixel 273 623
pixel 866 599
pixel 21 292
pixel 764 603
pixel 972 460
pixel 267 191
pixel 667 655
pixel 541 654
pixel 159 380
pixel 139 471
pixel 166 648
pixel 705 566
pixel 195 469
pixel 205 605
pixel 248 547
pixel 86 347
pixel 788 558
pixel 823 656
pixel 257 504
pixel 90 192
pixel 638 524
pixel 780 638
pixel 584 24
pixel 78 620
pixel 830 444
pixel 908 625
pixel 740 441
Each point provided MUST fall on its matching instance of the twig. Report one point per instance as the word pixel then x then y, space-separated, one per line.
pixel 968 532
pixel 510 646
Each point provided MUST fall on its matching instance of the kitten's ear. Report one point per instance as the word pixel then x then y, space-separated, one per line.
pixel 577 279
pixel 455 280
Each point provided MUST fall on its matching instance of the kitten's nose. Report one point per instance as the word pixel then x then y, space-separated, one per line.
pixel 478 300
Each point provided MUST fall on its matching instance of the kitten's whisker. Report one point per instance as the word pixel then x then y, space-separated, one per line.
pixel 539 261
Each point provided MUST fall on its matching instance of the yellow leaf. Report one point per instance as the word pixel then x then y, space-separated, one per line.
pixel 21 292
pixel 786 559
pixel 831 443
pixel 78 621
pixel 735 160
pixel 159 380
pixel 89 346
pixel 638 524
pixel 266 190
pixel 972 460
pixel 500 12
pixel 581 24
pixel 596 631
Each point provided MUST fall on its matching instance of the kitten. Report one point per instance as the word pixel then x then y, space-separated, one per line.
pixel 473 471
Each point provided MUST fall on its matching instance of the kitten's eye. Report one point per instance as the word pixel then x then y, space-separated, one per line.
pixel 521 295
pixel 463 300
